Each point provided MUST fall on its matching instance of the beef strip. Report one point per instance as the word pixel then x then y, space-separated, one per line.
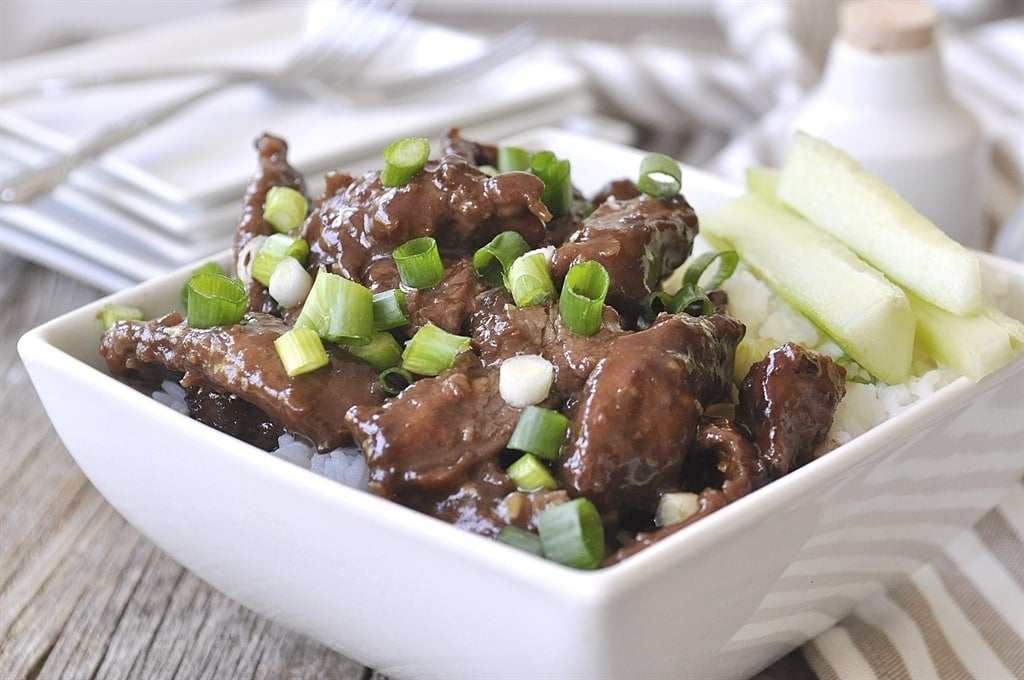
pixel 273 170
pixel 638 413
pixel 473 152
pixel 450 199
pixel 787 402
pixel 638 240
pixel 240 359
pixel 434 447
pixel 233 415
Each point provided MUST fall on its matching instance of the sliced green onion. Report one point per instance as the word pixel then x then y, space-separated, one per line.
pixel 581 303
pixel 274 249
pixel 432 350
pixel 571 534
pixel 676 507
pixel 389 310
pixel 419 263
pixel 529 278
pixel 512 159
pixel 555 173
pixel 525 379
pixel 208 268
pixel 521 538
pixel 284 208
pixel 395 379
pixel 290 283
pixel 656 302
pixel 403 159
pixel 689 294
pixel 539 431
pixel 529 474
pixel 301 351
pixel 492 262
pixel 660 176
pixel 338 309
pixel 113 312
pixel 215 300
pixel 382 352
pixel 727 261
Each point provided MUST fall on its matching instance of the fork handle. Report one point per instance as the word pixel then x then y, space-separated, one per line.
pixel 43 179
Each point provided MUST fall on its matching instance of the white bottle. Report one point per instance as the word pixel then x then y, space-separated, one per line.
pixel 883 99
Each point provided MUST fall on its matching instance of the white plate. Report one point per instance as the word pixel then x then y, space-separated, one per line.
pixel 204 156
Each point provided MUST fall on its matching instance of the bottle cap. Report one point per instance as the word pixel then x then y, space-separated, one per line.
pixel 887 25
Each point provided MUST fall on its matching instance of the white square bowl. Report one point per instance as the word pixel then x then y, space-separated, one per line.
pixel 414 597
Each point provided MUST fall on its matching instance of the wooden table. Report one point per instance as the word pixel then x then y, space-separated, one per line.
pixel 82 593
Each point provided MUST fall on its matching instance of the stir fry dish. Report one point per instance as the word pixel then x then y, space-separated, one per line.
pixel 500 348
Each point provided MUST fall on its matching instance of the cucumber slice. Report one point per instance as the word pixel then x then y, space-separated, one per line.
pixel 763 182
pixel 863 312
pixel 833 191
pixel 973 345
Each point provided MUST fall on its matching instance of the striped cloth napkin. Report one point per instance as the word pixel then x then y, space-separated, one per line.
pixel 962 615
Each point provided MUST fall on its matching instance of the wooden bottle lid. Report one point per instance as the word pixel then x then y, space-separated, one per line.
pixel 887 25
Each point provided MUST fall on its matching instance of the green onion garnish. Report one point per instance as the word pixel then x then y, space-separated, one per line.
pixel 395 379
pixel 382 352
pixel 521 538
pixel 513 158
pixel 555 173
pixel 581 303
pixel 529 474
pixel 660 176
pixel 539 431
pixel 284 208
pixel 529 278
pixel 208 268
pixel 301 351
pixel 113 312
pixel 389 310
pixel 215 300
pixel 403 159
pixel 432 350
pixel 274 249
pixel 290 283
pixel 338 309
pixel 491 263
pixel 419 263
pixel 727 261
pixel 660 301
pixel 571 534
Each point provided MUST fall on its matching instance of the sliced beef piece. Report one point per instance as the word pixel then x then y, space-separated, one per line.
pixel 502 330
pixel 719 445
pixel 424 444
pixel 273 170
pixel 639 410
pixel 638 240
pixel 618 189
pixel 474 152
pixel 450 199
pixel 233 415
pixel 240 359
pixel 787 402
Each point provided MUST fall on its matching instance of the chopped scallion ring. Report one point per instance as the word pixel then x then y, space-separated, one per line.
pixel 492 262
pixel 403 159
pixel 113 312
pixel 215 300
pixel 521 538
pixel 301 351
pixel 395 379
pixel 525 379
pixel 284 208
pixel 208 268
pixel 529 278
pixel 274 249
pixel 419 263
pixel 692 295
pixel 571 534
pixel 290 283
pixel 581 304
pixel 529 474
pixel 539 431
pixel 727 261
pixel 432 350
pixel 338 309
pixel 389 310
pixel 512 159
pixel 382 352
pixel 556 175
pixel 660 176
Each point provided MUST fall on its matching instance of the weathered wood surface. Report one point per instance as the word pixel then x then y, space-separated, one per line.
pixel 82 593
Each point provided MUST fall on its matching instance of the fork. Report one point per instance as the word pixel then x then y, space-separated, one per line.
pixel 327 59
